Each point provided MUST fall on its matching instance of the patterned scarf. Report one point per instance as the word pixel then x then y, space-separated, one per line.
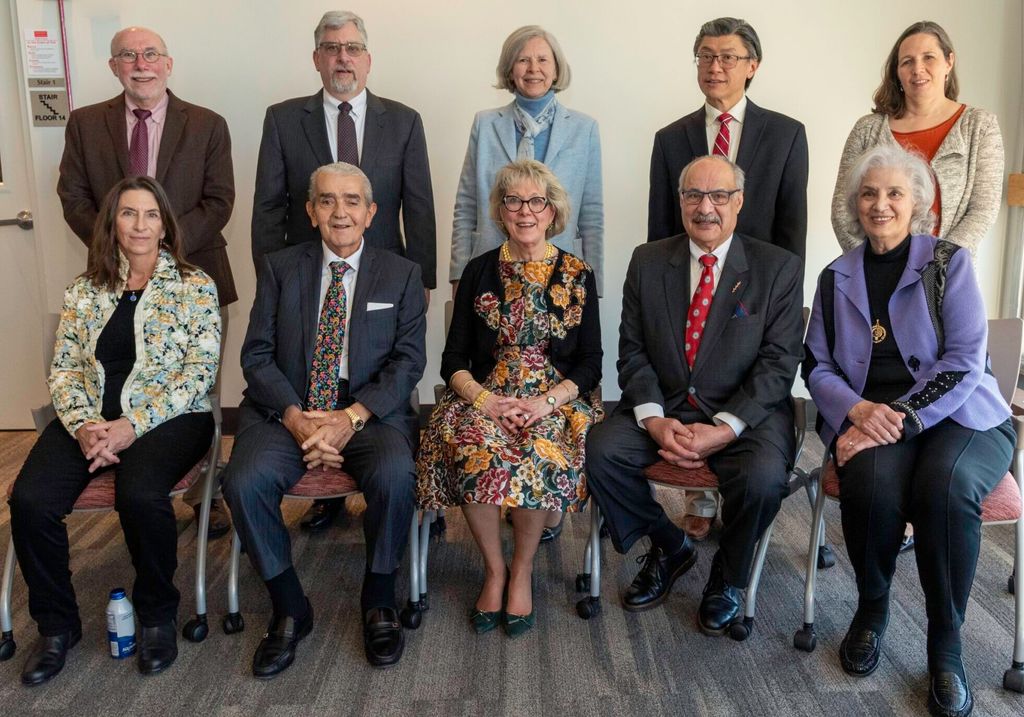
pixel 531 126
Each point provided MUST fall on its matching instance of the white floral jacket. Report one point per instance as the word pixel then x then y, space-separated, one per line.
pixel 177 349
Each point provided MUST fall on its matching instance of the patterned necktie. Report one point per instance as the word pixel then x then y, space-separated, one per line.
pixel 330 338
pixel 722 140
pixel 348 150
pixel 699 307
pixel 138 150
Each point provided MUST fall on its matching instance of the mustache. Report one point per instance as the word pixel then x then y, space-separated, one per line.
pixel 709 218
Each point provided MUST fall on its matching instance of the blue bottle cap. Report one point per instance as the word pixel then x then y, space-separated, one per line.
pixel 117 593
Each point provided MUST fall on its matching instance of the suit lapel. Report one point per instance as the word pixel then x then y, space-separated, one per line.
pixel 117 126
pixel 677 296
pixel 366 282
pixel 174 127
pixel 309 300
pixel 732 284
pixel 505 131
pixel 850 283
pixel 315 127
pixel 753 127
pixel 561 129
pixel 697 134
pixel 373 130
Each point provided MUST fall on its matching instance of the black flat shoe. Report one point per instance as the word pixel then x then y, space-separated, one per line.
pixel 158 648
pixel 860 650
pixel 659 572
pixel 720 605
pixel 47 657
pixel 322 514
pixel 383 640
pixel 949 696
pixel 549 534
pixel 276 650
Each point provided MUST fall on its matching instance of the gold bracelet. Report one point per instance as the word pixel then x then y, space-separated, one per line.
pixel 480 398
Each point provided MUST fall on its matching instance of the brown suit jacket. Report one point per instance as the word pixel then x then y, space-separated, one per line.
pixel 193 166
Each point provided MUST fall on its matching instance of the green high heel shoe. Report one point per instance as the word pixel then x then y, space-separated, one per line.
pixel 516 625
pixel 485 620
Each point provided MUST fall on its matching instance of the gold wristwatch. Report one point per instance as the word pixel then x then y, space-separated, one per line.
pixel 358 424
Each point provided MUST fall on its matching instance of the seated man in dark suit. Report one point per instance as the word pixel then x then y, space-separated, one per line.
pixel 334 348
pixel 713 389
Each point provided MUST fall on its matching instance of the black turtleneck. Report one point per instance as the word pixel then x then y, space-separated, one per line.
pixel 888 377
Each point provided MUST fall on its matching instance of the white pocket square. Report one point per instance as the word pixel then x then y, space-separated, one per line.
pixel 374 306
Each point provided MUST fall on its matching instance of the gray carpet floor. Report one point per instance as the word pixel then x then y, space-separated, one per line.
pixel 616 664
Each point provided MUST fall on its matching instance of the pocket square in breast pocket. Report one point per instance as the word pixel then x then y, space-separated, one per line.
pixel 740 311
pixel 374 306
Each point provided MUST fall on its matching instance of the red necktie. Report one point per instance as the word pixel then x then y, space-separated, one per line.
pixel 330 340
pixel 138 150
pixel 722 140
pixel 348 149
pixel 699 306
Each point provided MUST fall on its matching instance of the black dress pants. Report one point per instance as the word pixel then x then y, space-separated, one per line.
pixel 753 474
pixel 55 474
pixel 935 481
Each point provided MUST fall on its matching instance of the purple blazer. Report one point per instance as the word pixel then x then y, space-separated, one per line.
pixel 956 385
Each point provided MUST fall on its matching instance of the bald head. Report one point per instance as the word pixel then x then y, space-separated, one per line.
pixel 116 42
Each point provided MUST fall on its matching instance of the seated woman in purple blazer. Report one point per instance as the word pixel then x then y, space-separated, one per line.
pixel 911 415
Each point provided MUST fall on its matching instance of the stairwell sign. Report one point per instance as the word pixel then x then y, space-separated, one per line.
pixel 48 95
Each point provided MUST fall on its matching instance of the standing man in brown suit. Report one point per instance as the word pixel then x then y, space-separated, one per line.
pixel 148 130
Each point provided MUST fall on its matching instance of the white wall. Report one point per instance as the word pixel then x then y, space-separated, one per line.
pixel 633 71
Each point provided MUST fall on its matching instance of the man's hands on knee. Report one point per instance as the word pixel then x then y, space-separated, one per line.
pixel 672 438
pixel 320 435
pixel 707 439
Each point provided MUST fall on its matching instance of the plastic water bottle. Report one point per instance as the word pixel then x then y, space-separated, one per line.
pixel 120 625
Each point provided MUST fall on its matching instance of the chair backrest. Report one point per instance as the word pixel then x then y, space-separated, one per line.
pixel 1005 338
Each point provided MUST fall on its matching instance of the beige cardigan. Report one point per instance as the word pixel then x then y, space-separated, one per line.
pixel 968 165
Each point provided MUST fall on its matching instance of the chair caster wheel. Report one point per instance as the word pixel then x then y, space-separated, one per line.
pixel 826 558
pixel 196 629
pixel 1013 678
pixel 438 527
pixel 7 646
pixel 588 607
pixel 233 623
pixel 741 629
pixel 805 639
pixel 412 613
pixel 583 582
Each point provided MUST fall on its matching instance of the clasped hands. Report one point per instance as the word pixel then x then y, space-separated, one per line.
pixel 874 424
pixel 687 445
pixel 513 414
pixel 103 440
pixel 321 435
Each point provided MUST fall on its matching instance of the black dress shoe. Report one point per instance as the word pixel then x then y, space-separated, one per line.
pixel 158 648
pixel 382 637
pixel 549 534
pixel 721 604
pixel 321 514
pixel 907 543
pixel 949 696
pixel 219 523
pixel 47 658
pixel 653 583
pixel 276 650
pixel 859 651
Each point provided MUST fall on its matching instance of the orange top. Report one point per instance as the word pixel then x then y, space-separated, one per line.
pixel 926 142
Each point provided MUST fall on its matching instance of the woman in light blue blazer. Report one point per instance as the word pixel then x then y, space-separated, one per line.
pixel 535 125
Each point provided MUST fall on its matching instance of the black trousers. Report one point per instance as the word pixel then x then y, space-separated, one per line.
pixel 55 474
pixel 936 481
pixel 753 475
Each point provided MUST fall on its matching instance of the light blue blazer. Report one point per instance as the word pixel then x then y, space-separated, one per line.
pixel 573 155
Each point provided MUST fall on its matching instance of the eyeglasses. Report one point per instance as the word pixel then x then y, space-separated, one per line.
pixel 727 60
pixel 718 197
pixel 353 49
pixel 513 203
pixel 128 57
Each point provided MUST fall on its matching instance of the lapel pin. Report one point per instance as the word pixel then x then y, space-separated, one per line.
pixel 737 285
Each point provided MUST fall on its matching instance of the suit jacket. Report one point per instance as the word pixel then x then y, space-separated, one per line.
pixel 573 155
pixel 574 319
pixel 751 344
pixel 193 167
pixel 394 157
pixel 956 385
pixel 386 346
pixel 773 154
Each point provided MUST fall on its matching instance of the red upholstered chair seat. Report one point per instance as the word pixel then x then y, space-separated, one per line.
pixel 667 474
pixel 1002 504
pixel 321 483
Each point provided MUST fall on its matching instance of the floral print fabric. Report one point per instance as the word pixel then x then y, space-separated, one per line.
pixel 464 456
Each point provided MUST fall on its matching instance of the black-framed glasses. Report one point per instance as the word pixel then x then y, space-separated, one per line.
pixel 718 197
pixel 129 57
pixel 726 60
pixel 536 204
pixel 352 49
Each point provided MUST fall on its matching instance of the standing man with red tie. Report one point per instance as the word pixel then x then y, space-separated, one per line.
pixel 713 390
pixel 148 130
pixel 769 147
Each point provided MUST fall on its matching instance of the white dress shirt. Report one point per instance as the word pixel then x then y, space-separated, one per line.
pixel 649 410
pixel 348 282
pixel 739 113
pixel 358 114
